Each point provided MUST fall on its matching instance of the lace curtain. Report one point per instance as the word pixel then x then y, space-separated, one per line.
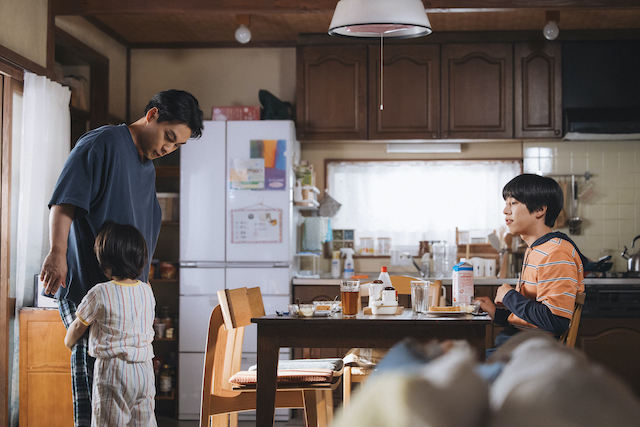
pixel 411 201
pixel 43 149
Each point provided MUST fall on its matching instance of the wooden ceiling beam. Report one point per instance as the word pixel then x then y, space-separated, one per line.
pixel 105 7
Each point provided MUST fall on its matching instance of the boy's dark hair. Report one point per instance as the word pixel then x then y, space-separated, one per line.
pixel 179 106
pixel 536 192
pixel 122 249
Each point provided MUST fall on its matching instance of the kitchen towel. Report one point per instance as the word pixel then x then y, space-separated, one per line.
pixel 317 230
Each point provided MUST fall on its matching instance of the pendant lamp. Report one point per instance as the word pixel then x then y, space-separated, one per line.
pixel 380 18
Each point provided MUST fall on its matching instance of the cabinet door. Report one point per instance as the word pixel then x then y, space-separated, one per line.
pixel 477 90
pixel 410 95
pixel 331 92
pixel 538 90
pixel 615 344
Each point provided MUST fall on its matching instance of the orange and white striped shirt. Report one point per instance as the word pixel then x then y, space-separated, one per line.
pixel 552 275
pixel 121 318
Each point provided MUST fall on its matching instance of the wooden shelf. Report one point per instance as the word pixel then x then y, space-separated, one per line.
pixel 167 171
pixel 170 223
pixel 165 281
pixel 170 396
pixel 165 339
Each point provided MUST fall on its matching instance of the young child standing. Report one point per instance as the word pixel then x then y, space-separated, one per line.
pixel 120 313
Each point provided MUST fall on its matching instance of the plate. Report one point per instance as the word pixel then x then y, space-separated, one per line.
pixel 447 313
pixel 483 313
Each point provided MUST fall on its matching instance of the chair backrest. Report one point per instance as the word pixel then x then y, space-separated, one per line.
pixel 402 284
pixel 571 335
pixel 240 305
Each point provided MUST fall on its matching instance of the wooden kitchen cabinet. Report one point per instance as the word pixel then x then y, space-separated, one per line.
pixel 410 95
pixel 45 370
pixel 331 92
pixel 615 344
pixel 537 90
pixel 477 90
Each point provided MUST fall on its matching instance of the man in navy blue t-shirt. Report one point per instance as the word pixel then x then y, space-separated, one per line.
pixel 109 176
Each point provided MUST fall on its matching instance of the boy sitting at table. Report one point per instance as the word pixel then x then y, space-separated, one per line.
pixel 552 270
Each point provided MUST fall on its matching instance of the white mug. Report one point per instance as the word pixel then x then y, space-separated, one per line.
pixel 490 267
pixel 478 266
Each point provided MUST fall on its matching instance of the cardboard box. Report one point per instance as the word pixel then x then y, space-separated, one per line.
pixel 237 112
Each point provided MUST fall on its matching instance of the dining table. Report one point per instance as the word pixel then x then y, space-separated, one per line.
pixel 338 331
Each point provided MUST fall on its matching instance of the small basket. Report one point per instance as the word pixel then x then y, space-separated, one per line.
pixel 328 206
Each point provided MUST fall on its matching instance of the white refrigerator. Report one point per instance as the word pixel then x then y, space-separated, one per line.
pixel 237 229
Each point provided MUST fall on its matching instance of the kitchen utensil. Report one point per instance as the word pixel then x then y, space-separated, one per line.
pixel 633 260
pixel 600 266
pixel 575 221
pixel 495 241
pixel 561 221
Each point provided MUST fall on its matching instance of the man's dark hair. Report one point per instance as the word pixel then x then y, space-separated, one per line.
pixel 121 249
pixel 536 192
pixel 178 106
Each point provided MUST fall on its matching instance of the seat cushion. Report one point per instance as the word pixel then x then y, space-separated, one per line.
pixel 332 364
pixel 287 376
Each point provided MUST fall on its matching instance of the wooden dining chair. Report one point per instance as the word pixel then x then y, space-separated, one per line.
pixel 222 398
pixel 358 374
pixel 570 336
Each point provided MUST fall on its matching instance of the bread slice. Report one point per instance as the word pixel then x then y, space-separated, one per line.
pixel 434 308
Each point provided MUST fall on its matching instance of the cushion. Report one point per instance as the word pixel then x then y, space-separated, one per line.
pixel 547 384
pixel 332 364
pixel 444 392
pixel 288 376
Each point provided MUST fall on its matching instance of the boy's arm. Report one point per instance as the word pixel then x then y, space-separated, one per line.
pixel 535 313
pixel 75 331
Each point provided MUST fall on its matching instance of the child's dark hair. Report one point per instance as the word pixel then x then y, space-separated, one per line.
pixel 121 249
pixel 536 192
pixel 179 106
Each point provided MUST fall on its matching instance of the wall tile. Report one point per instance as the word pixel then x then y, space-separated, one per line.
pixel 625 195
pixel 627 211
pixel 610 211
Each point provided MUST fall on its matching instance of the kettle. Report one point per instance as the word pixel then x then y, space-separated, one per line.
pixel 632 259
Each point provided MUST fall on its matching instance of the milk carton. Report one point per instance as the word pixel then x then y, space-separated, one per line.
pixel 462 283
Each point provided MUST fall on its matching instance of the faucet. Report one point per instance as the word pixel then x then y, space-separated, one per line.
pixel 407 255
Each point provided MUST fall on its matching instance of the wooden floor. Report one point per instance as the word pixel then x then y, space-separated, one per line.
pixel 167 422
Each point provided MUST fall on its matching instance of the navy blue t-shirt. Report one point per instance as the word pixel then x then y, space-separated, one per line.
pixel 106 180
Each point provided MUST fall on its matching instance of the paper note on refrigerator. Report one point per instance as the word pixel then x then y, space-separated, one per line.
pixel 272 151
pixel 256 224
pixel 246 174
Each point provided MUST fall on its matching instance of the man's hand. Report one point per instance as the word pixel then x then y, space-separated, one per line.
pixel 487 305
pixel 54 267
pixel 54 272
pixel 501 292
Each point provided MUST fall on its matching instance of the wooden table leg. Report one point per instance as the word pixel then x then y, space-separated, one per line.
pixel 268 348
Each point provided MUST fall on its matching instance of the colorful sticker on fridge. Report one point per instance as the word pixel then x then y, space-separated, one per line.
pixel 256 224
pixel 275 162
pixel 246 174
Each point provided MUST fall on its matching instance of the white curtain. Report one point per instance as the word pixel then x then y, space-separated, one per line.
pixel 46 135
pixel 411 201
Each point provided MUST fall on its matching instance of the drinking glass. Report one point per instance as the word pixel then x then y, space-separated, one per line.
pixel 439 249
pixel 419 296
pixel 349 293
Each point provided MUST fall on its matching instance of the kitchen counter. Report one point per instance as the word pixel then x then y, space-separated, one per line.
pixel 326 279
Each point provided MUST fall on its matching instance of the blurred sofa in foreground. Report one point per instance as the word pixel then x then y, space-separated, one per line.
pixel 531 381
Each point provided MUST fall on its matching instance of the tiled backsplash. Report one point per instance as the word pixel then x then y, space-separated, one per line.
pixel 611 216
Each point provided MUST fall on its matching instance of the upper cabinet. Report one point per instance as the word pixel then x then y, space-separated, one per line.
pixel 331 92
pixel 429 91
pixel 410 93
pixel 477 90
pixel 538 90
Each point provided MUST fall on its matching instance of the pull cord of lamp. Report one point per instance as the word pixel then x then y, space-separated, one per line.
pixel 381 78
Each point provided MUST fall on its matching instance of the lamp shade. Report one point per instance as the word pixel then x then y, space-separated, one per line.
pixel 380 18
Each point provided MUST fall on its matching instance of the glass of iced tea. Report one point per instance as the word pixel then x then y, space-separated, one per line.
pixel 349 292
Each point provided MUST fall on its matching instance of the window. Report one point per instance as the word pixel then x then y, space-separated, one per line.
pixel 411 201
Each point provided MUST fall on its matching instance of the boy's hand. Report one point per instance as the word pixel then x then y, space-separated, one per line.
pixel 501 292
pixel 487 305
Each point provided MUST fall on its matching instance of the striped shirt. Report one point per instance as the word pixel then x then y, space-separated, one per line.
pixel 552 275
pixel 121 319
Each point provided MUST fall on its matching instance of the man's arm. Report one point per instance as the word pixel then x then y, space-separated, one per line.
pixel 75 331
pixel 54 267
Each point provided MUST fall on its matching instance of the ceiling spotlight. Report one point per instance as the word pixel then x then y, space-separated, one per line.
pixel 551 30
pixel 243 34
